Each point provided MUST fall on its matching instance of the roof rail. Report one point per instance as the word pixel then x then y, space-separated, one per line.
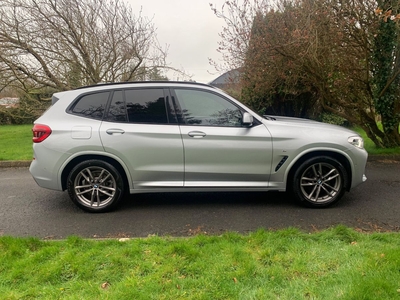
pixel 138 82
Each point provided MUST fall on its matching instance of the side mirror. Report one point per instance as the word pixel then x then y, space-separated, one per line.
pixel 247 119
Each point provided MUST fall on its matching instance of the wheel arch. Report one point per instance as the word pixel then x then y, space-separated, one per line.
pixel 76 160
pixel 332 154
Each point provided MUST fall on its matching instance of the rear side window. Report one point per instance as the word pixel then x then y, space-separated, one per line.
pixel 146 106
pixel 91 106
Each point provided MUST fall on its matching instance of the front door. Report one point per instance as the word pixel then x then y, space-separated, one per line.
pixel 218 150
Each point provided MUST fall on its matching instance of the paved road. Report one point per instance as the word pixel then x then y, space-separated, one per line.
pixel 28 210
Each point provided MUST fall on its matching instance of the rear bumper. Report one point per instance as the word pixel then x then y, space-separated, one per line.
pixel 44 178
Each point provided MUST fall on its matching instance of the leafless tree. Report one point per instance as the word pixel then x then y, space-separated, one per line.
pixel 235 35
pixel 62 44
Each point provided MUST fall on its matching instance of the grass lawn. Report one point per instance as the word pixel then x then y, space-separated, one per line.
pixel 370 146
pixel 339 263
pixel 16 142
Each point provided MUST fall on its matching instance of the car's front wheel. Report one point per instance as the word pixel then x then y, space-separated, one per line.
pixel 319 182
pixel 95 186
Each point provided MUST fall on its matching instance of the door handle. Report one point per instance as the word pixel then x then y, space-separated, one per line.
pixel 112 131
pixel 196 134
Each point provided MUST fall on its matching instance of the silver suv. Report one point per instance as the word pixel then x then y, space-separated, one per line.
pixel 100 142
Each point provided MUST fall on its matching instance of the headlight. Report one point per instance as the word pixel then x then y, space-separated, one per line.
pixel 356 141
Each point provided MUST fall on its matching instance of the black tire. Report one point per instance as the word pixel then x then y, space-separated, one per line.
pixel 95 186
pixel 319 182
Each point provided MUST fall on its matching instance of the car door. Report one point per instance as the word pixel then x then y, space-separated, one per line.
pixel 141 129
pixel 218 150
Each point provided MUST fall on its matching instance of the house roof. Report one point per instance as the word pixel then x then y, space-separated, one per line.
pixel 231 76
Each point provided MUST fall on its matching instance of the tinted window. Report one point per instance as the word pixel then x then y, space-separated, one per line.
pixel 91 106
pixel 146 106
pixel 208 109
pixel 117 110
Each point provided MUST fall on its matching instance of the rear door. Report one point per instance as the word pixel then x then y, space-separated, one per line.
pixel 219 151
pixel 141 129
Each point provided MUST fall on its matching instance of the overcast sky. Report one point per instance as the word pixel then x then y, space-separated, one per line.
pixel 191 30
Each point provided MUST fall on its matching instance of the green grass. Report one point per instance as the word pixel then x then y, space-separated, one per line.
pixel 370 146
pixel 16 142
pixel 339 263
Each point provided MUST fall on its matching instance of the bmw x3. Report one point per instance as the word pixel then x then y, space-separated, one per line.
pixel 105 141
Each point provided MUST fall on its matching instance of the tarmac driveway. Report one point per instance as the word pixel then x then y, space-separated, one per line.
pixel 28 210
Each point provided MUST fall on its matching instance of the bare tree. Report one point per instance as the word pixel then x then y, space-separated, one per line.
pixel 62 44
pixel 235 36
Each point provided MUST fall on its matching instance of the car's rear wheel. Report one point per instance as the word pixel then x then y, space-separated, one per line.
pixel 319 182
pixel 95 186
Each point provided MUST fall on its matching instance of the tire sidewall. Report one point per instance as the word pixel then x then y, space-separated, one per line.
pixel 296 189
pixel 95 163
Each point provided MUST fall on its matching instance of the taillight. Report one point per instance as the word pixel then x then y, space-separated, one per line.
pixel 40 133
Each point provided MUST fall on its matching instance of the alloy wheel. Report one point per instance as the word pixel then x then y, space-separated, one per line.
pixel 95 187
pixel 320 182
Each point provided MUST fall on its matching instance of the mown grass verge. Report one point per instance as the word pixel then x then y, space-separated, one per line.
pixel 16 142
pixel 370 146
pixel 338 263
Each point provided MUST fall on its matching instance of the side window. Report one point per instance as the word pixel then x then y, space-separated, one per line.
pixel 91 106
pixel 146 106
pixel 117 110
pixel 208 109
